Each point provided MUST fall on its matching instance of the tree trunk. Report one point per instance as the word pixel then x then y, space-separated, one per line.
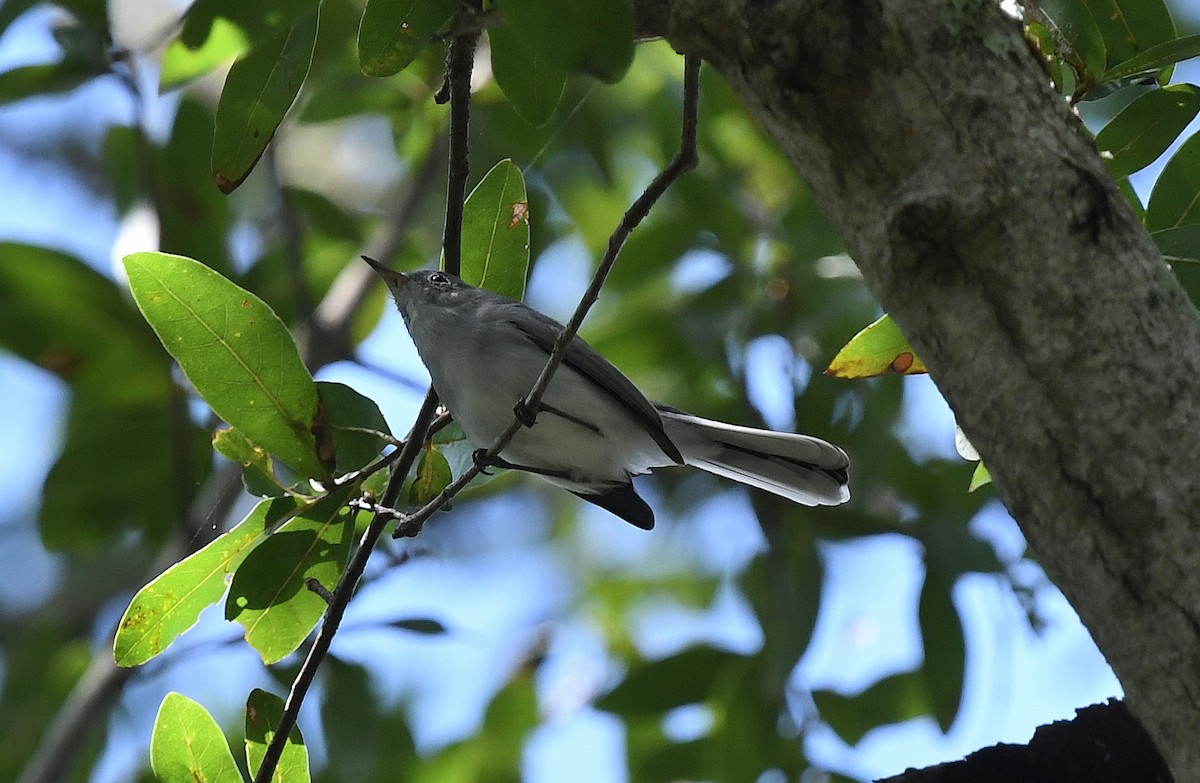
pixel 984 222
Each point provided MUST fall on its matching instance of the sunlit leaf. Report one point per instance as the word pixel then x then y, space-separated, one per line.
pixel 433 475
pixel 171 603
pixel 981 477
pixel 1145 128
pixel 532 84
pixel 879 349
pixel 258 469
pixel 263 713
pixel 259 90
pixel 393 32
pixel 234 350
pixel 1175 200
pixel 188 746
pixel 181 63
pixel 269 595
pixel 495 235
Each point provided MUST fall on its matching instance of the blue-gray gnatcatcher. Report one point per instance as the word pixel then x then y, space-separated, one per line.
pixel 594 430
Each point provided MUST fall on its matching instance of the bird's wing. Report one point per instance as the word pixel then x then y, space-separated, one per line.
pixel 542 331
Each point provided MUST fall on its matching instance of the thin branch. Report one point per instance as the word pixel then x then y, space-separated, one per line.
pixel 459 63
pixel 685 160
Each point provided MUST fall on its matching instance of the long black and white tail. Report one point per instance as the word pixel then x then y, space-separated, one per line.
pixel 800 468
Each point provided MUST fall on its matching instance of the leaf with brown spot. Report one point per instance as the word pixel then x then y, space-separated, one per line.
pixel 879 349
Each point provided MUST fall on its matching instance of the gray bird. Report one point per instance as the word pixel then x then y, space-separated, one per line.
pixel 594 430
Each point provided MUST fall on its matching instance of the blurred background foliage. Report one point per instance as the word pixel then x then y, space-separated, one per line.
pixel 522 636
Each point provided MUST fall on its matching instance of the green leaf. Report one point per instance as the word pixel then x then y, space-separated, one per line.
pixel 234 350
pixel 893 699
pixel 259 90
pixel 1073 23
pixel 495 234
pixel 28 81
pixel 91 497
pixel 591 36
pixel 258 469
pixel 1175 200
pixel 263 712
pixel 393 32
pixel 879 349
pixel 981 477
pixel 182 63
pixel 945 647
pixel 1129 27
pixel 188 746
pixel 352 420
pixel 1179 245
pixel 1157 57
pixel 433 475
pixel 171 604
pixel 425 626
pixel 269 595
pixel 532 84
pixel 67 318
pixel 656 687
pixel 1146 128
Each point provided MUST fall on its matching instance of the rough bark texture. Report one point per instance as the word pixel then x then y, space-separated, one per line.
pixel 1103 744
pixel 986 225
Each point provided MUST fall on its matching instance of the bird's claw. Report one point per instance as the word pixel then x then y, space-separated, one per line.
pixel 481 460
pixel 524 414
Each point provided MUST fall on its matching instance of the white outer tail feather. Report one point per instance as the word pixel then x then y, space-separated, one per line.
pixel 800 468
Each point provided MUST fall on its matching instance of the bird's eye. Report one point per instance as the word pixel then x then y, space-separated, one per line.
pixel 437 278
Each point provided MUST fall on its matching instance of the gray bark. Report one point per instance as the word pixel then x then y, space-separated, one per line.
pixel 984 222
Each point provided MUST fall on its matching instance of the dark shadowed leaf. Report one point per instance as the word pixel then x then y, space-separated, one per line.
pixel 657 686
pixel 263 713
pixel 589 36
pixel 393 32
pixel 1130 27
pixel 1179 245
pixel 945 647
pixel 259 90
pixel 893 699
pixel 1145 128
pixel 530 81
pixel 1174 201
pixel 1157 57
pixel 1073 23
pixel 353 421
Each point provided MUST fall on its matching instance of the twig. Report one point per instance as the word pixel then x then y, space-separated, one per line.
pixel 459 63
pixel 684 161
